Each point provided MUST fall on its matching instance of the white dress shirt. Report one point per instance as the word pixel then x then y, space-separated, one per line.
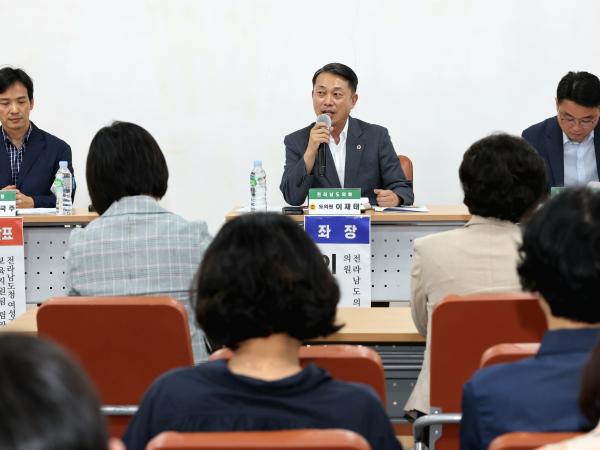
pixel 338 151
pixel 580 161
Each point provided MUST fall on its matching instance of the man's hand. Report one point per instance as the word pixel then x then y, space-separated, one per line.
pixel 24 201
pixel 385 198
pixel 318 135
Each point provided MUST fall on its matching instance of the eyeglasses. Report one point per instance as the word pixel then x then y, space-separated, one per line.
pixel 572 121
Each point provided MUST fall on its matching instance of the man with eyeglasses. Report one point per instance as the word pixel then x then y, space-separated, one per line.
pixel 567 142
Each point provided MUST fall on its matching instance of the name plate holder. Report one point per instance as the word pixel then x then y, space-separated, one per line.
pixel 334 202
pixel 8 203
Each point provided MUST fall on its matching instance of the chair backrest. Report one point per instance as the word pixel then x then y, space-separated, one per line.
pixel 123 343
pixel 507 353
pixel 527 441
pixel 254 440
pixel 407 167
pixel 462 328
pixel 354 363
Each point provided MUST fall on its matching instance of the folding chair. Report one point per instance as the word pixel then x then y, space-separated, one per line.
pixel 528 441
pixel 407 168
pixel 255 440
pixel 507 353
pixel 123 343
pixel 462 328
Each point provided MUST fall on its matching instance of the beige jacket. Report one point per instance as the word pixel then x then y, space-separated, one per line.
pixel 480 257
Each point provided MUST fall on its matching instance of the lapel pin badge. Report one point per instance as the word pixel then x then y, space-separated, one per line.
pixel 359 147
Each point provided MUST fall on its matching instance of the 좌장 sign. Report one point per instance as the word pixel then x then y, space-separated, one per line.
pixel 345 242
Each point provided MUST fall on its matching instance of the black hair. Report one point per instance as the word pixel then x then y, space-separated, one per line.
pixel 341 70
pixel 560 255
pixel 582 88
pixel 124 160
pixel 503 177
pixel 261 275
pixel 589 393
pixel 45 398
pixel 10 76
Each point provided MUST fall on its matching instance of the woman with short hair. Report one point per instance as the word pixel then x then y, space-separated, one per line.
pixel 262 289
pixel 135 247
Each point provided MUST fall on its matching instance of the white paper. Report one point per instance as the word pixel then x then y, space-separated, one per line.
pixel 32 211
pixel 411 208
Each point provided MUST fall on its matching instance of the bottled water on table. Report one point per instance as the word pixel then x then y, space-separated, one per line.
pixel 258 188
pixel 63 189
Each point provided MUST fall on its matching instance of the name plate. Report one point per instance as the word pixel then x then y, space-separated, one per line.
pixel 345 243
pixel 334 202
pixel 8 203
pixel 12 269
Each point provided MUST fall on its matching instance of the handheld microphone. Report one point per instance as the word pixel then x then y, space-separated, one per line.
pixel 322 153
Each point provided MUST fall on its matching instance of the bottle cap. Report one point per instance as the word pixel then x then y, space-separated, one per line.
pixel 63 164
pixel 257 162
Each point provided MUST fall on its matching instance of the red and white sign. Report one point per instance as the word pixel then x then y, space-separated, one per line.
pixel 12 269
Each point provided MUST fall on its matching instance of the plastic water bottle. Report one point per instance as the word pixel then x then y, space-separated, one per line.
pixel 258 188
pixel 63 189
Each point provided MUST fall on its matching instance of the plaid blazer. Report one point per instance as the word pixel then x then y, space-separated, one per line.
pixel 138 248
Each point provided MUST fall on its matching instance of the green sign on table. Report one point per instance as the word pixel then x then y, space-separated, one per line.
pixel 333 201
pixel 8 203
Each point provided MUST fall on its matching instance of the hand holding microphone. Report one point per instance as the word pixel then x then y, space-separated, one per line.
pixel 317 145
pixel 322 153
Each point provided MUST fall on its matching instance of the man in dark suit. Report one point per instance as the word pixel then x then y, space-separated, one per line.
pixel 358 154
pixel 568 142
pixel 29 156
pixel 560 261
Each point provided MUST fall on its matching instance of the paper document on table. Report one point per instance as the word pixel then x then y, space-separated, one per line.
pixel 407 208
pixel 246 209
pixel 32 211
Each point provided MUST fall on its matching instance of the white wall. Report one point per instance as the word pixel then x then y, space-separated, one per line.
pixel 219 83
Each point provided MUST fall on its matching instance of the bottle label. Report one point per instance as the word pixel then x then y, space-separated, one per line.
pixel 57 184
pixel 252 181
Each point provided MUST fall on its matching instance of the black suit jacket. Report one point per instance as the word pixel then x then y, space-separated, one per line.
pixel 39 166
pixel 371 163
pixel 547 138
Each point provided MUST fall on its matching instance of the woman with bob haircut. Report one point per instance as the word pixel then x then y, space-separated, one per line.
pixel 261 290
pixel 135 247
pixel 503 180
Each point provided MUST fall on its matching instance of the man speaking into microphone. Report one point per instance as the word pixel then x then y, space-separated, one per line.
pixel 347 152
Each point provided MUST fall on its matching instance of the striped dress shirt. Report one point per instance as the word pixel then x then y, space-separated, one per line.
pixel 15 154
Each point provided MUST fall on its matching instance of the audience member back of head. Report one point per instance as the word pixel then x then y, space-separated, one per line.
pixel 560 262
pixel 261 290
pixel 503 180
pixel 135 247
pixel 47 403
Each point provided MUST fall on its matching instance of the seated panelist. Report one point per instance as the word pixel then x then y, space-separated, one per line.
pixel 29 156
pixel 357 154
pixel 568 141
pixel 135 247
pixel 261 290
